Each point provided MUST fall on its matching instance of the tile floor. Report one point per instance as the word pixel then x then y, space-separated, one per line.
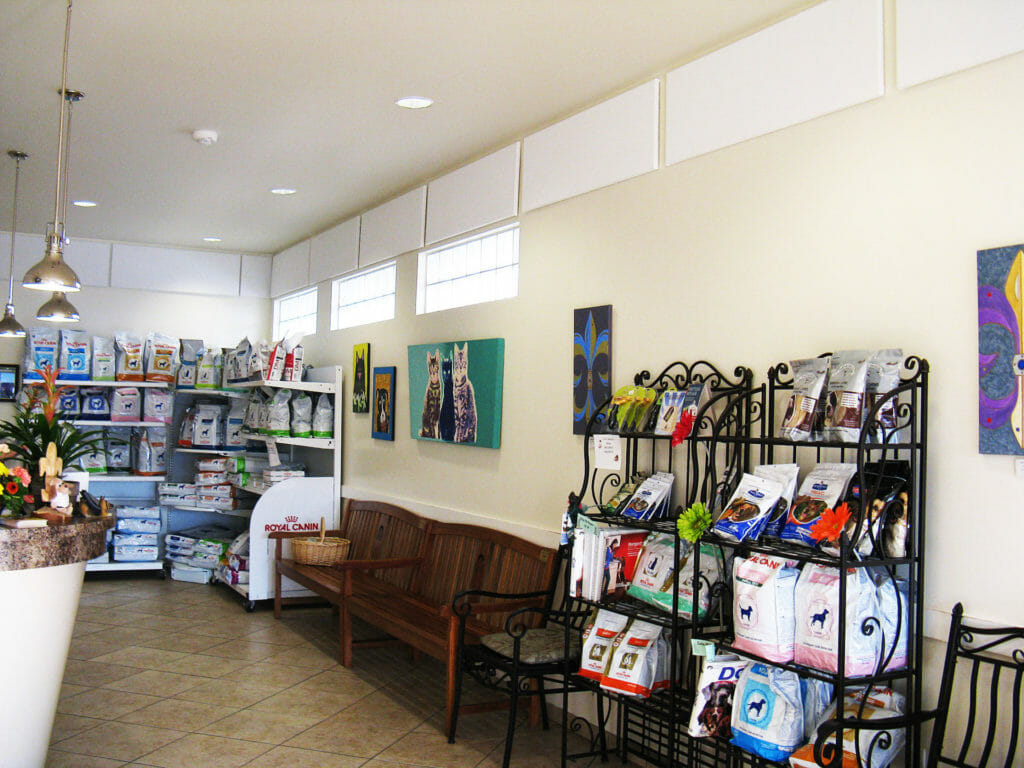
pixel 171 674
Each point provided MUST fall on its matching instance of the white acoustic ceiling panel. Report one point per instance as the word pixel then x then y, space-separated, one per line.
pixel 155 268
pixel 610 142
pixel 335 251
pixel 822 60
pixel 938 37
pixel 255 278
pixel 474 196
pixel 290 270
pixel 393 228
pixel 91 261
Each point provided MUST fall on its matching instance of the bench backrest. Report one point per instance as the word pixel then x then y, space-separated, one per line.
pixel 462 557
pixel 380 531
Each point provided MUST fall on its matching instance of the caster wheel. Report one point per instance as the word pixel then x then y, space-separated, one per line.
pixel 250 606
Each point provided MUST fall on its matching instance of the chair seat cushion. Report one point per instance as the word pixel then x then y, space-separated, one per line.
pixel 538 646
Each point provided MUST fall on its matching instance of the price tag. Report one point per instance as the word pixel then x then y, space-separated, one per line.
pixel 704 648
pixel 608 452
pixel 584 522
pixel 272 455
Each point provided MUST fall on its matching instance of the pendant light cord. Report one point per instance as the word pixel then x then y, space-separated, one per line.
pixel 14 224
pixel 58 218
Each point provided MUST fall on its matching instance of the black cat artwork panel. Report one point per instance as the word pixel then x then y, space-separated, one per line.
pixel 360 376
pixel 384 403
pixel 455 390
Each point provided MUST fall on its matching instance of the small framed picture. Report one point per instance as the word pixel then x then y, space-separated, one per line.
pixel 10 381
pixel 383 406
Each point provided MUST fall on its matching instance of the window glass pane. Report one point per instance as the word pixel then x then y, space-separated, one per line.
pixel 295 314
pixel 368 297
pixel 472 271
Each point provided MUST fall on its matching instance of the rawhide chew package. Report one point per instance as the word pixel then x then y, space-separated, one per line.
pixel 847 393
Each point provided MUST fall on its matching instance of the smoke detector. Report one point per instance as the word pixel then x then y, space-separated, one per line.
pixel 204 136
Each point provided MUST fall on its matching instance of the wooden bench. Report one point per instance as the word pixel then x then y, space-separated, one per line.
pixel 404 571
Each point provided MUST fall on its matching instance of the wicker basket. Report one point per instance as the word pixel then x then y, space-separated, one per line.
pixel 322 550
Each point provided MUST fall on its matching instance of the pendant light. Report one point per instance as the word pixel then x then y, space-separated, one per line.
pixel 9 326
pixel 53 273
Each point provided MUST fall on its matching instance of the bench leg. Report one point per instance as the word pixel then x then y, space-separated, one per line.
pixel 277 593
pixel 344 635
pixel 454 671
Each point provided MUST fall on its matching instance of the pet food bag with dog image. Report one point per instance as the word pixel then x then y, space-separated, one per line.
pixel 822 489
pixel 40 351
pixel 598 637
pixel 787 474
pixel 634 666
pixel 279 414
pixel 161 357
pixel 323 417
pixel 764 610
pixel 875 703
pixel 809 378
pixel 126 404
pixel 128 360
pixel 102 358
pixel 817 620
pixel 191 351
pixel 768 713
pixel 748 508
pixel 75 355
pixel 302 415
pixel 883 377
pixel 712 705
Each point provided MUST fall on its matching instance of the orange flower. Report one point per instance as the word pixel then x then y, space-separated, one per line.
pixel 830 524
pixel 12 487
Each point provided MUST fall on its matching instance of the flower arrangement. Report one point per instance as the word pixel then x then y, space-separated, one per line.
pixel 14 483
pixel 831 523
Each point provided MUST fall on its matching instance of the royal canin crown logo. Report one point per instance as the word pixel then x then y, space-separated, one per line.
pixel 291 518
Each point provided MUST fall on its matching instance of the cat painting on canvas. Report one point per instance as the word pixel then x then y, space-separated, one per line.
pixel 465 400
pixel 432 397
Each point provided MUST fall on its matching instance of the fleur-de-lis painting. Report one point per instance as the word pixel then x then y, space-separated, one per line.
pixel 592 363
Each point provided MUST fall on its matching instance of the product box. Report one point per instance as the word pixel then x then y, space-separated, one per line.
pixel 136 540
pixel 150 513
pixel 137 525
pixel 176 489
pixel 133 554
pixel 181 572
pixel 204 560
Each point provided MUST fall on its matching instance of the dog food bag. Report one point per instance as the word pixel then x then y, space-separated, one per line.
pixel 118 443
pixel 75 355
pixel 875 703
pixel 323 417
pixel 817 696
pixel 128 357
pixel 598 636
pixel 161 357
pixel 158 406
pixel 293 360
pixel 103 359
pixel 40 350
pixel 234 438
pixel 767 712
pixel 206 370
pixel 822 489
pixel 712 706
pixel 69 405
pixel 809 377
pixel 96 461
pixel 884 481
pixel 749 507
pixel 847 395
pixel 302 415
pixel 186 431
pixel 787 474
pixel 893 608
pixel 883 377
pixel 151 452
pixel 94 404
pixel 279 414
pixel 188 365
pixel 126 404
pixel 817 620
pixel 237 362
pixel 253 404
pixel 764 609
pixel 633 669
pixel 275 365
pixel 712 569
pixel 654 567
pixel 206 432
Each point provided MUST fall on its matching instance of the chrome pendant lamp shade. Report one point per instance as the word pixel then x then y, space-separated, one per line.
pixel 9 326
pixel 53 273
pixel 58 310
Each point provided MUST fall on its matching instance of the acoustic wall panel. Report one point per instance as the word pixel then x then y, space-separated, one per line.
pixel 938 37
pixel 91 261
pixel 824 59
pixel 290 270
pixel 335 251
pixel 474 196
pixel 393 228
pixel 610 142
pixel 155 268
pixel 255 278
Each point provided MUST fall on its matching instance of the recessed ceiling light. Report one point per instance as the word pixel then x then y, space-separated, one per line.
pixel 414 102
pixel 84 203
pixel 282 191
pixel 211 239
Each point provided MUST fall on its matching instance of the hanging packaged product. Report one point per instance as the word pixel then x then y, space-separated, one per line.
pixel 68 405
pixel 883 377
pixel 862 746
pixel 787 474
pixel 161 357
pixel 187 429
pixel 151 452
pixel 712 706
pixel 103 359
pixel 234 437
pixel 275 366
pixel 768 713
pixel 598 636
pixel 654 578
pixel 128 361
pixel 884 482
pixel 208 423
pixel 809 377
pixel 253 405
pixel 823 488
pixel 158 406
pixel 119 449
pixel 292 360
pixel 748 508
pixel 188 366
pixel 847 392
pixel 95 461
pixel 125 404
pixel 206 371
pixel 764 606
pixel 279 414
pixel 258 363
pixel 236 363
pixel 40 351
pixel 94 404
pixel 323 417
pixel 75 355
pixel 302 415
pixel 636 662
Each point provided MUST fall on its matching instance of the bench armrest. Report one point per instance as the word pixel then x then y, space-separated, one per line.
pixel 461 605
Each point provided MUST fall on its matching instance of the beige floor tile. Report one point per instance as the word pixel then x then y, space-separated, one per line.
pixel 339 680
pixel 91 673
pixel 386 711
pixel 129 635
pixel 256 725
pixel 162 623
pixel 243 648
pixel 305 656
pixel 68 725
pixel 291 757
pixel 144 658
pixel 156 682
pixel 272 674
pixel 178 714
pixel 119 741
pixel 106 600
pixel 277 634
pixel 207 751
pixel 57 759
pixel 180 641
pixel 83 628
pixel 358 740
pixel 93 646
pixel 434 750
pixel 70 689
pixel 109 617
pixel 229 693
pixel 104 703
pixel 474 727
pixel 302 701
pixel 204 666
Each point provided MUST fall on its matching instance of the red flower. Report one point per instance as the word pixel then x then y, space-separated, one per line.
pixel 12 487
pixel 683 427
pixel 830 524
pixel 30 499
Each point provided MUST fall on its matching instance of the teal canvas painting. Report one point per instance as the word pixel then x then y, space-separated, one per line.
pixel 455 391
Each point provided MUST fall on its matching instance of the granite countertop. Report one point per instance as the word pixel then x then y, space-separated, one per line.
pixel 82 539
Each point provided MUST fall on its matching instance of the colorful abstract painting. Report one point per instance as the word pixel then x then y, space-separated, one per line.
pixel 360 374
pixel 1000 355
pixel 384 403
pixel 591 363
pixel 455 390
